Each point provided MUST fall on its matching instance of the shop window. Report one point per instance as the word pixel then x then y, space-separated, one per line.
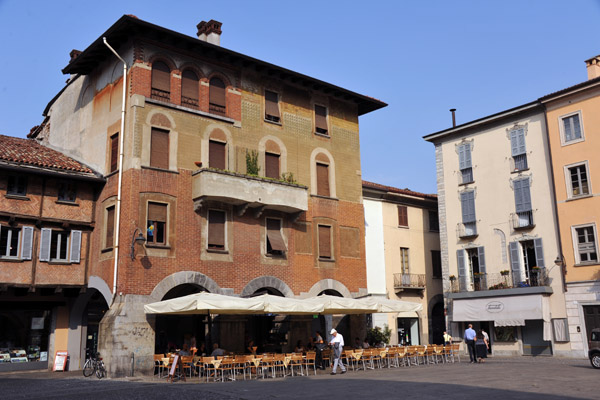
pixel 17 185
pixel 159 148
pixel 60 246
pixel 114 152
pixel 505 334
pixel 189 89
pixel 325 242
pixel 272 106
pixel 216 230
pixel 216 97
pixel 275 242
pixel 156 231
pixel 161 81
pixel 67 191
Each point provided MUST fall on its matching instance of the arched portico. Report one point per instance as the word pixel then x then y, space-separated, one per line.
pixel 182 278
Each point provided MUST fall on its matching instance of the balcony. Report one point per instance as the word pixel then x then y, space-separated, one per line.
pixel 409 281
pixel 245 192
pixel 537 277
pixel 466 230
pixel 522 220
pixel 519 163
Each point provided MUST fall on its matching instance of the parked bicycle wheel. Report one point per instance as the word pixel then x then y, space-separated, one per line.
pixel 88 368
pixel 100 370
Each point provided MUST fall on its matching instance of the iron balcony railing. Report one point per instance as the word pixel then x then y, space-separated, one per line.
pixel 466 229
pixel 161 95
pixel 534 277
pixel 519 162
pixel 522 220
pixel 189 102
pixel 409 281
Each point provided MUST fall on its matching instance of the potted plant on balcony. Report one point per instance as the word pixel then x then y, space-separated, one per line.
pixel 504 272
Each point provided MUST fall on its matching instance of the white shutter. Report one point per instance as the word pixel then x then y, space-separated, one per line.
pixel 75 246
pixel 45 239
pixel 26 242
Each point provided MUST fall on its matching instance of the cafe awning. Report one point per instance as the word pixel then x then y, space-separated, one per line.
pixel 395 306
pixel 504 311
pixel 286 305
pixel 205 303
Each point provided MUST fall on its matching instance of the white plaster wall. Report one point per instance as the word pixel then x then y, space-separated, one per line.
pixel 375 248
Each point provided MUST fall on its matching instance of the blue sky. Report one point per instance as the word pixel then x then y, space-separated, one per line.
pixel 420 57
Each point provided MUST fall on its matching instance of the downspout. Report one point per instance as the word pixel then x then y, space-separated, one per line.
pixel 120 184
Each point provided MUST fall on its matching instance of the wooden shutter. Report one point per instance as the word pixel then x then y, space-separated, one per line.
pixel 467 200
pixel 45 239
pixel 539 253
pixel 323 180
pixel 161 76
pixel 26 242
pixel 110 226
pixel 517 142
pixel 274 234
pixel 324 241
pixel 481 259
pixel 75 253
pixel 216 94
pixel 515 262
pixel 157 212
pixel 522 195
pixel 216 229
pixel 461 157
pixel 462 268
pixel 189 84
pixel 402 216
pixel 272 105
pixel 272 165
pixel 159 148
pixel 467 155
pixel 320 119
pixel 216 154
pixel 114 152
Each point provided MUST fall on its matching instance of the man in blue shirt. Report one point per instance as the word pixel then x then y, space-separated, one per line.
pixel 470 342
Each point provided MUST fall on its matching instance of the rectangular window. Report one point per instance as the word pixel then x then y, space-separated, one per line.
pixel 272 106
pixel 325 242
pixel 216 155
pixel 572 131
pixel 323 180
pixel 156 231
pixel 402 216
pixel 114 152
pixel 404 267
pixel 67 191
pixel 9 242
pixel 518 150
pixel 586 247
pixel 436 262
pixel 216 230
pixel 434 222
pixel 524 213
pixel 159 148
pixel 59 245
pixel 321 120
pixel 464 161
pixel 272 165
pixel 110 227
pixel 467 200
pixel 275 243
pixel 17 185
pixel 578 179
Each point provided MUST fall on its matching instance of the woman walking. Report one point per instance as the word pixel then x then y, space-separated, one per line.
pixel 481 346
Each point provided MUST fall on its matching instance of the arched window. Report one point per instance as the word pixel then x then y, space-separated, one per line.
pixel 189 89
pixel 272 160
pixel 216 97
pixel 161 81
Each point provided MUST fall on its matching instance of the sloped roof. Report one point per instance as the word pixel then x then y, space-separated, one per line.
pixel 28 152
pixel 408 192
pixel 581 85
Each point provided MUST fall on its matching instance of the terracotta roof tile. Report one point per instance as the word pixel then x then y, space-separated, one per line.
pixel 408 192
pixel 30 152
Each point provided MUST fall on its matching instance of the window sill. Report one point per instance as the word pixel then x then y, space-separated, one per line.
pixel 326 260
pixel 583 196
pixel 17 197
pixel 570 142
pixel 324 197
pixel 516 171
pixel 587 264
pixel 59 262
pixel 323 135
pixel 159 169
pixel 67 203
pixel 106 250
pixel 157 246
pixel 217 251
pixel 465 183
pixel 273 122
pixel 403 226
pixel 11 259
pixel 276 256
pixel 434 230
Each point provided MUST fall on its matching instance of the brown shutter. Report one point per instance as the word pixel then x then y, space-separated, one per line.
pixel 324 241
pixel 216 154
pixel 110 226
pixel 321 119
pixel 322 180
pixel 159 149
pixel 189 84
pixel 157 212
pixel 402 216
pixel 161 76
pixel 274 234
pixel 271 104
pixel 272 165
pixel 216 229
pixel 114 152
pixel 217 92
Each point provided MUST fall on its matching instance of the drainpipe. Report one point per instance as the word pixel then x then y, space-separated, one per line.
pixel 120 185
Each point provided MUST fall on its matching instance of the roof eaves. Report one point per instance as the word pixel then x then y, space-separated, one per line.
pixel 571 90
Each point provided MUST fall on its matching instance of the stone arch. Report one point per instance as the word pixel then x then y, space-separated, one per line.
pixel 267 281
pixel 329 284
pixel 98 283
pixel 167 60
pixel 160 118
pixel 180 278
pixel 317 154
pixel 221 76
pixel 263 147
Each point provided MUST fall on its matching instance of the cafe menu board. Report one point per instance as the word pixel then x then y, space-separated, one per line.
pixel 60 361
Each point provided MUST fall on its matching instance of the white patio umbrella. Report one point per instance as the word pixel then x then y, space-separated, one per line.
pixel 206 303
pixel 344 305
pixel 392 306
pixel 290 306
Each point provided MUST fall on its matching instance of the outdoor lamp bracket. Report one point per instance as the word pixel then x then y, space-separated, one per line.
pixel 136 239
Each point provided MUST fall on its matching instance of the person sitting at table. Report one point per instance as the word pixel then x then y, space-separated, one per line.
pixel 217 351
pixel 299 347
pixel 311 344
pixel 251 348
pixel 185 351
pixel 201 350
pixel 366 344
pixel 357 343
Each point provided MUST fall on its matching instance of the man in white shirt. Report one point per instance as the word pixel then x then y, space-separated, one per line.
pixel 337 342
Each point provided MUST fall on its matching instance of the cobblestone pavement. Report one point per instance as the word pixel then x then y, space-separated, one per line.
pixel 497 378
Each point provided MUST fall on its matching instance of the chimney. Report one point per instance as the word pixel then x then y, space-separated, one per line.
pixel 453 110
pixel 593 67
pixel 210 31
pixel 74 54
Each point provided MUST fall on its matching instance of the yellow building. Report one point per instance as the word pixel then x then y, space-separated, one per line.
pixel 574 139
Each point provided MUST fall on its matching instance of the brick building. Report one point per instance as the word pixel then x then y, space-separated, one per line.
pixel 47 215
pixel 242 176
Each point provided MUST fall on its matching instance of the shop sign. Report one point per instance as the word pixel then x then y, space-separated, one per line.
pixel 60 361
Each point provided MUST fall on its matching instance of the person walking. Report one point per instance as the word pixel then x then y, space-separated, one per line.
pixel 337 342
pixel 481 346
pixel 319 346
pixel 470 342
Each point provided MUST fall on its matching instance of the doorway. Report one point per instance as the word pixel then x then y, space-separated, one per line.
pixel 592 319
pixel 533 342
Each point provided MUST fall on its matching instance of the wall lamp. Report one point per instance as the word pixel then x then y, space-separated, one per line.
pixel 139 239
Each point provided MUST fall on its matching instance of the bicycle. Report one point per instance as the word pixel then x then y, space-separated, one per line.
pixel 94 365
